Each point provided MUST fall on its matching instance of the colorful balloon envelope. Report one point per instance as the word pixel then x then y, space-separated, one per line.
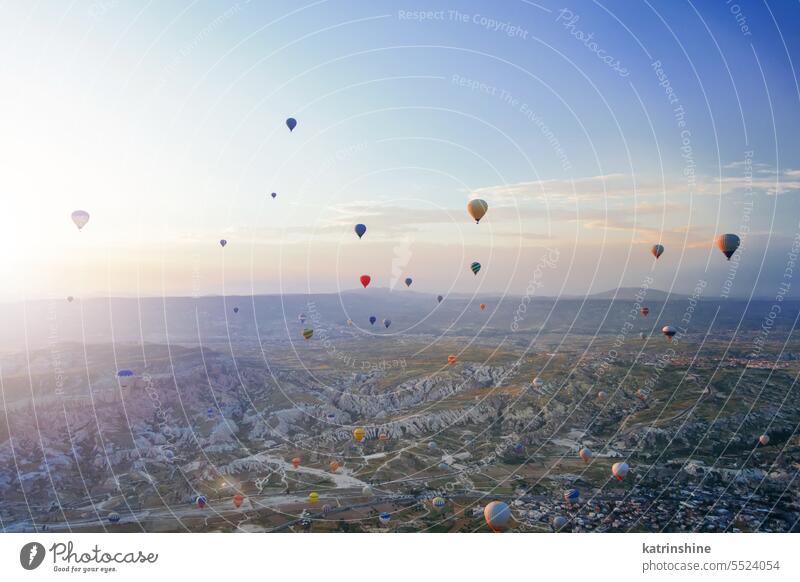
pixel 291 123
pixel 669 332
pixel 334 466
pixel 477 209
pixel 384 517
pixel 728 243
pixel 538 382
pixel 519 448
pixel 586 454
pixel 302 317
pixel 125 377
pixel 113 517
pixel 602 395
pixel 571 495
pixel 296 462
pixel 360 230
pixel 619 470
pixel 439 502
pixel 80 218
pixel 307 333
pixel 238 500
pixel 201 501
pixel 657 250
pixel 365 279
pixel 644 311
pixel 763 440
pixel 475 267
pixel 359 434
pixel 313 497
pixel 452 359
pixel 497 515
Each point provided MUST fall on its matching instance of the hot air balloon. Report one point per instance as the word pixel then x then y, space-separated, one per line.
pixel 571 495
pixel 223 242
pixel 366 491
pixel 360 230
pixel 601 395
pixel 728 243
pixel 641 395
pixel 433 446
pixel 383 437
pixel 519 448
pixel 642 335
pixel 334 466
pixel 538 382
pixel 113 517
pixel 477 208
pixel 644 311
pixel 408 281
pixel 452 359
pixel 307 333
pixel 482 306
pixel 586 454
pixel 326 509
pixel 365 279
pixel 313 497
pixel 302 317
pixel 291 123
pixel 274 194
pixel 619 470
pixel 200 500
pixel 238 500
pixel 296 462
pixel 80 218
pixel 236 310
pixel 372 319
pixel 763 440
pixel 125 377
pixel 559 522
pixel 384 517
pixel 70 299
pixel 349 322
pixel 359 434
pixel 210 413
pixel 387 323
pixel 497 515
pixel 657 250
pixel 439 298
pixel 669 332
pixel 438 502
pixel 476 266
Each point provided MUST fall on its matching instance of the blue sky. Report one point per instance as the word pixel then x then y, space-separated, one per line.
pixel 165 122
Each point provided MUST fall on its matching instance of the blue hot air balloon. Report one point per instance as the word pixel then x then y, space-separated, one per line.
pixel 384 517
pixel 210 413
pixel 571 495
pixel 387 323
pixel 360 230
pixel 236 310
pixel 222 243
pixel 408 281
pixel 113 517
pixel 291 123
pixel 274 194
pixel 125 377
pixel 519 448
pixel 372 319
pixel 439 298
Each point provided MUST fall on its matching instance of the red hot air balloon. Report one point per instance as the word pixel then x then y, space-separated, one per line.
pixel 237 500
pixel 483 306
pixel 365 279
pixel 644 311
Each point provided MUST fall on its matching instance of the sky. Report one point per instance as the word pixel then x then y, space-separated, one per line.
pixel 593 130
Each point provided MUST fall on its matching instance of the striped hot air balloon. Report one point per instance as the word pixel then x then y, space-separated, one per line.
pixel 728 243
pixel 452 359
pixel 201 501
pixel 438 502
pixel 476 266
pixel 571 495
pixel 307 333
pixel 657 250
pixel 113 517
pixel 359 434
